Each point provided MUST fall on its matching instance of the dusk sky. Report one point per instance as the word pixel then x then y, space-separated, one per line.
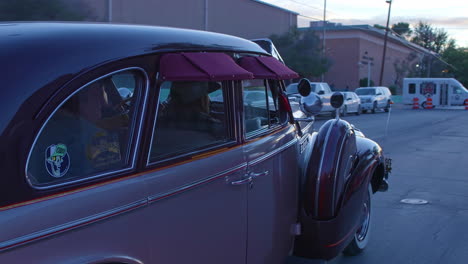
pixel 450 15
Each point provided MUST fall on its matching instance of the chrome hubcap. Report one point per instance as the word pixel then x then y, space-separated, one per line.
pixel 362 231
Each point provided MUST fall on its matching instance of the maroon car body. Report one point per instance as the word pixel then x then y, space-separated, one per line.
pixel 135 144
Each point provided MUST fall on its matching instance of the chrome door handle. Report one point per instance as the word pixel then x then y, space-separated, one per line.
pixel 255 175
pixel 243 181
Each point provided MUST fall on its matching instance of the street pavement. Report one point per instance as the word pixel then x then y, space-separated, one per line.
pixel 429 149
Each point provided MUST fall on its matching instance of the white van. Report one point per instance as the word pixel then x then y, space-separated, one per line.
pixel 443 91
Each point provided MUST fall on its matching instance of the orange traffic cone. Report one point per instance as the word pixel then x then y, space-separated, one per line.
pixel 415 103
pixel 429 103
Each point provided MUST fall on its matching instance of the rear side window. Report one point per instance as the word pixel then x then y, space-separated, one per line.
pixel 412 88
pixel 260 106
pixel 90 134
pixel 192 116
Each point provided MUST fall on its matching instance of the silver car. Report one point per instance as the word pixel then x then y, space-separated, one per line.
pixel 352 104
pixel 374 98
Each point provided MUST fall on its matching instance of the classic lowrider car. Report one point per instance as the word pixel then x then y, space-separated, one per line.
pixel 132 144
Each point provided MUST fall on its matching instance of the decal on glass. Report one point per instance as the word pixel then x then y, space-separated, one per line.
pixel 57 160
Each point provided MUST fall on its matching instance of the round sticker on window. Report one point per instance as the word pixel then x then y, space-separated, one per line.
pixel 57 160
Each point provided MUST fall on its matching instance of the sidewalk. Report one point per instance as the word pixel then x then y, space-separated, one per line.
pixel 438 107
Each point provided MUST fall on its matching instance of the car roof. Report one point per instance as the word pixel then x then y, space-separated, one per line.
pixel 35 55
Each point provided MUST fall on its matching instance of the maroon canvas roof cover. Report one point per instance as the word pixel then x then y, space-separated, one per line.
pixel 267 68
pixel 201 66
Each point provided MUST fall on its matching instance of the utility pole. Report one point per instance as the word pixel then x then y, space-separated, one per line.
pixel 324 29
pixel 109 10
pixel 389 2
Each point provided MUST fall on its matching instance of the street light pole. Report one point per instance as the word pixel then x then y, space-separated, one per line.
pixel 323 37
pixel 385 42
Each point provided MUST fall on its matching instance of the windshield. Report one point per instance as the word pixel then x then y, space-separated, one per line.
pixel 365 91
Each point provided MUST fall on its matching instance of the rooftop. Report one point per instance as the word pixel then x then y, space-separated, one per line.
pixel 284 9
pixel 370 30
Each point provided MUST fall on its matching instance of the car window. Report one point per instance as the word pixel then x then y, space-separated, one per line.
pixel 191 117
pixel 412 88
pixel 457 90
pixel 292 89
pixel 89 134
pixel 258 114
pixel 366 91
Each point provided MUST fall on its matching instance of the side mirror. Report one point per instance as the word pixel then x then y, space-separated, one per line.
pixel 304 87
pixel 337 100
pixel 321 92
pixel 348 99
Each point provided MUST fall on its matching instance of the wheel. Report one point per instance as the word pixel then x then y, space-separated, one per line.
pixel 362 235
pixel 374 107
pixel 387 107
pixel 344 112
pixel 359 110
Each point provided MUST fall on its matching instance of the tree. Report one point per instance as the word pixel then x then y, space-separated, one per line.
pixel 43 10
pixel 458 60
pixel 301 51
pixel 402 28
pixel 433 39
pixel 379 26
pixel 403 68
pixel 363 82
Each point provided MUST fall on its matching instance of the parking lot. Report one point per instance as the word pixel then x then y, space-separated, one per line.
pixel 428 148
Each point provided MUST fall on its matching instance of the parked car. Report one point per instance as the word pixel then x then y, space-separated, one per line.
pixel 322 90
pixel 352 104
pixel 162 172
pixel 374 98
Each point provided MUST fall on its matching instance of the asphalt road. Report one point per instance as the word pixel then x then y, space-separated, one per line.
pixel 429 149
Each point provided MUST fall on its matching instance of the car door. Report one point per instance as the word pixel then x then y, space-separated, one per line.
pixel 270 149
pixel 355 102
pixel 457 95
pixel 198 199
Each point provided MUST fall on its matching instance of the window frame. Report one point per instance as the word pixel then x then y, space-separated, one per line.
pixel 134 136
pixel 271 128
pixel 175 157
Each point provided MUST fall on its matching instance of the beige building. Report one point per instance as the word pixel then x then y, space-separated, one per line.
pixel 244 18
pixel 352 48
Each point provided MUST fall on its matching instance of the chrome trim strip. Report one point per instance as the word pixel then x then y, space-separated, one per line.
pixel 274 152
pixel 336 171
pixel 307 127
pixel 45 233
pixel 154 123
pixel 160 196
pixel 317 188
pixel 66 99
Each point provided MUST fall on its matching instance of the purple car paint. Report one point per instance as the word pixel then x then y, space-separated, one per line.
pixel 183 168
